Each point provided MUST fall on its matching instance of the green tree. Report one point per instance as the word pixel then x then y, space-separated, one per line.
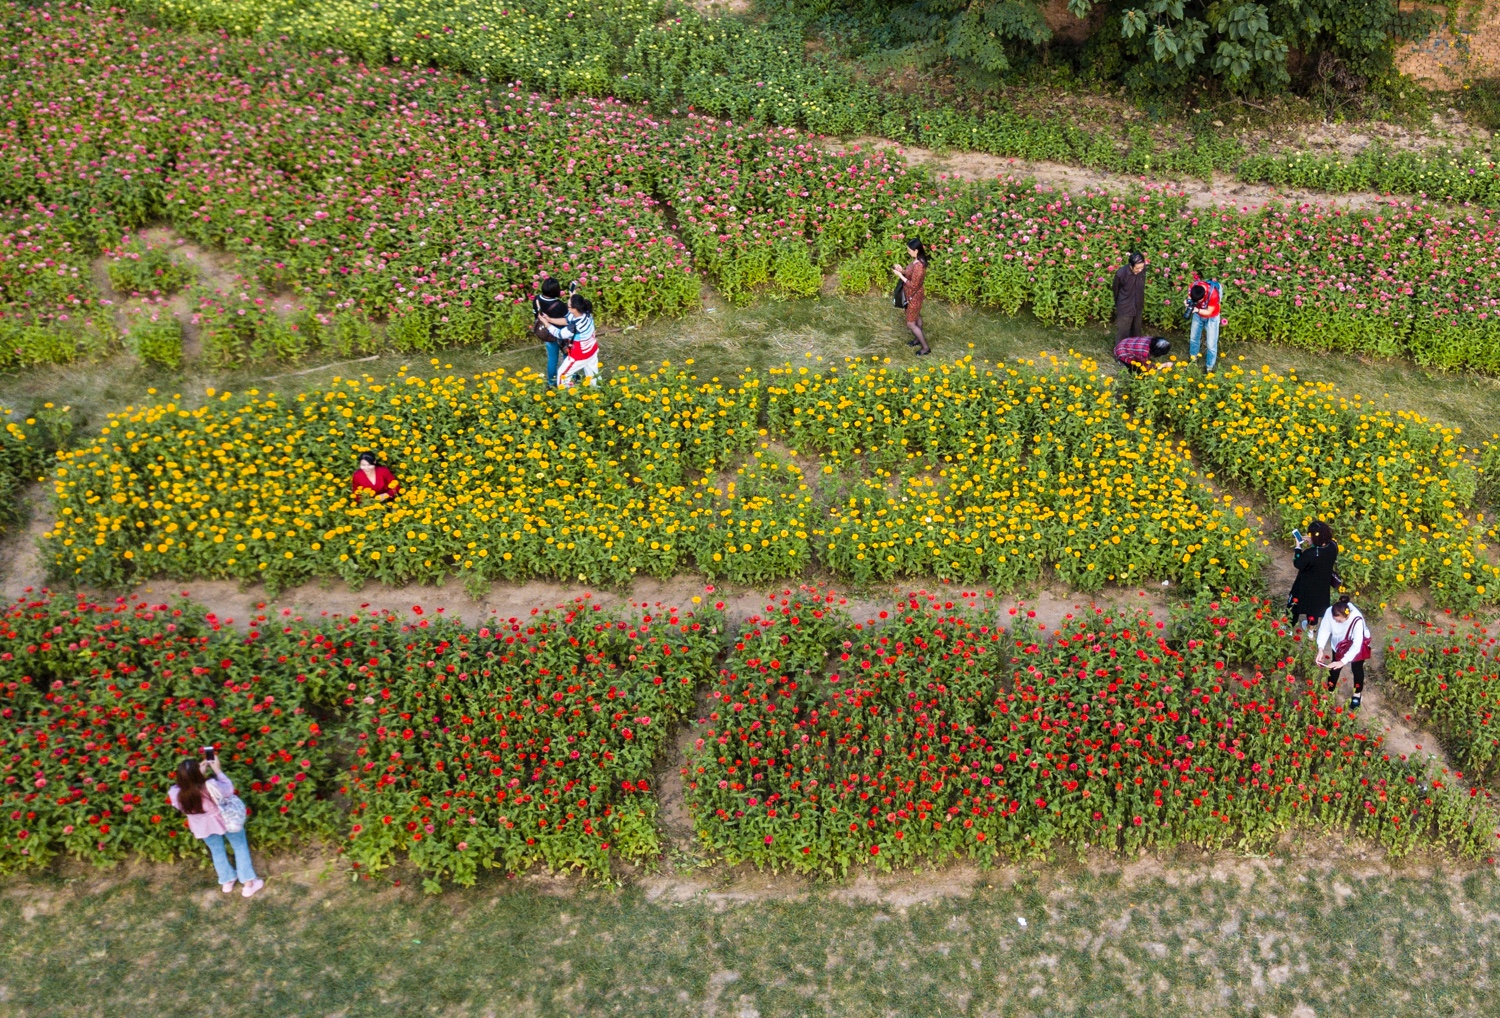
pixel 1246 45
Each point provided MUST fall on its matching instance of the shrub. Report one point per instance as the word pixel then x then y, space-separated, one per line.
pixel 156 338
pixel 137 268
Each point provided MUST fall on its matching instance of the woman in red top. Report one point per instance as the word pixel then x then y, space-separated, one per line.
pixel 913 277
pixel 372 477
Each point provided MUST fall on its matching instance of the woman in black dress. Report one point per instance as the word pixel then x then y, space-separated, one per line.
pixel 1315 573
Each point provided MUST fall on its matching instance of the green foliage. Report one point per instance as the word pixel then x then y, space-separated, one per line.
pixel 138 268
pixel 1480 101
pixel 1468 175
pixel 155 337
pixel 1246 45
pixel 24 448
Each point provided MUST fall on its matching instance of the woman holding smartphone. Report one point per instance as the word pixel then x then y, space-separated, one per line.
pixel 215 815
pixel 1314 556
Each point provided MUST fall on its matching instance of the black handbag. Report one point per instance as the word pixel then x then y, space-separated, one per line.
pixel 898 295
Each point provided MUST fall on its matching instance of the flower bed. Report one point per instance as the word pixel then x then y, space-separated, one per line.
pixel 1394 487
pixel 1380 282
pixel 504 480
pixel 531 741
pixel 959 473
pixel 1452 669
pixel 967 473
pixel 944 731
pixel 99 702
pixel 432 203
pixel 528 741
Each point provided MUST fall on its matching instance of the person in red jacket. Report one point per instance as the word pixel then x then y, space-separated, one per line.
pixel 370 476
pixel 1204 309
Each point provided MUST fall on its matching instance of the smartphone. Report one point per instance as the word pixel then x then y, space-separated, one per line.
pixel 208 753
pixel 1296 536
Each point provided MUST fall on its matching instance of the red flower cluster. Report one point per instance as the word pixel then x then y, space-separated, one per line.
pixel 99 702
pixel 529 741
pixel 948 731
pixel 1452 667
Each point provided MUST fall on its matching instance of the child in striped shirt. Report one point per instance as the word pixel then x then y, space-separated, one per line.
pixel 583 348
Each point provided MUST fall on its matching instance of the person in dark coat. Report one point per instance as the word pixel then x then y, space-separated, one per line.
pixel 1130 297
pixel 1315 556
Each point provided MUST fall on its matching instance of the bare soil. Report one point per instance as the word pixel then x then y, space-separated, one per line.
pixel 1225 190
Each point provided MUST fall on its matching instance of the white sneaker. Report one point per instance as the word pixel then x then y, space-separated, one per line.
pixel 226 888
pixel 253 886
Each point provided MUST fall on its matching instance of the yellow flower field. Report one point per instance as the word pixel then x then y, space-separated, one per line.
pixel 1394 486
pixel 995 475
pixel 1004 473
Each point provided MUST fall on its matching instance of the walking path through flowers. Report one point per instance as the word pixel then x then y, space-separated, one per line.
pixel 1225 189
pixel 21 570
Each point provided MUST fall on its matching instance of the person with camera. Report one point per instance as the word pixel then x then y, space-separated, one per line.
pixel 1315 556
pixel 1344 642
pixel 215 815
pixel 912 292
pixel 1204 307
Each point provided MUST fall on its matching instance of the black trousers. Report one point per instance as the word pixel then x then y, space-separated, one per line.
pixel 1129 324
pixel 1356 668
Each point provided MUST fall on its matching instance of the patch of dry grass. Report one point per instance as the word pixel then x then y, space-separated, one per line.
pixel 1188 937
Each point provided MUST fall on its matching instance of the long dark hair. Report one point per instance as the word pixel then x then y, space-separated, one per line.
pixel 916 245
pixel 1320 532
pixel 190 787
pixel 374 460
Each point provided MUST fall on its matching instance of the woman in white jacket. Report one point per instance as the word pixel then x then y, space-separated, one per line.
pixel 1344 640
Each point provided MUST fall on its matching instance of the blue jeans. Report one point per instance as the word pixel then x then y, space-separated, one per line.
pixel 1209 329
pixel 242 870
pixel 553 357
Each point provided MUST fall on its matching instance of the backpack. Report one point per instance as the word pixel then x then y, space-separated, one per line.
pixel 231 808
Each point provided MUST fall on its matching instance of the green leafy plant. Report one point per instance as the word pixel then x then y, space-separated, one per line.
pixel 139 268
pixel 155 337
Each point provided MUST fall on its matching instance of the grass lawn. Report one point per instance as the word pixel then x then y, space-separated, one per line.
pixel 727 339
pixel 1189 938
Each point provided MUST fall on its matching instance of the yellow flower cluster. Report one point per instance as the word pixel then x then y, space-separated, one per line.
pixel 1393 486
pixel 999 474
pixel 500 478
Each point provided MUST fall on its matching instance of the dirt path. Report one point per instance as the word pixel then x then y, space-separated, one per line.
pixel 1224 190
pixel 22 569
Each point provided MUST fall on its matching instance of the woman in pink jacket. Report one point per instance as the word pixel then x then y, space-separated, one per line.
pixel 197 797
